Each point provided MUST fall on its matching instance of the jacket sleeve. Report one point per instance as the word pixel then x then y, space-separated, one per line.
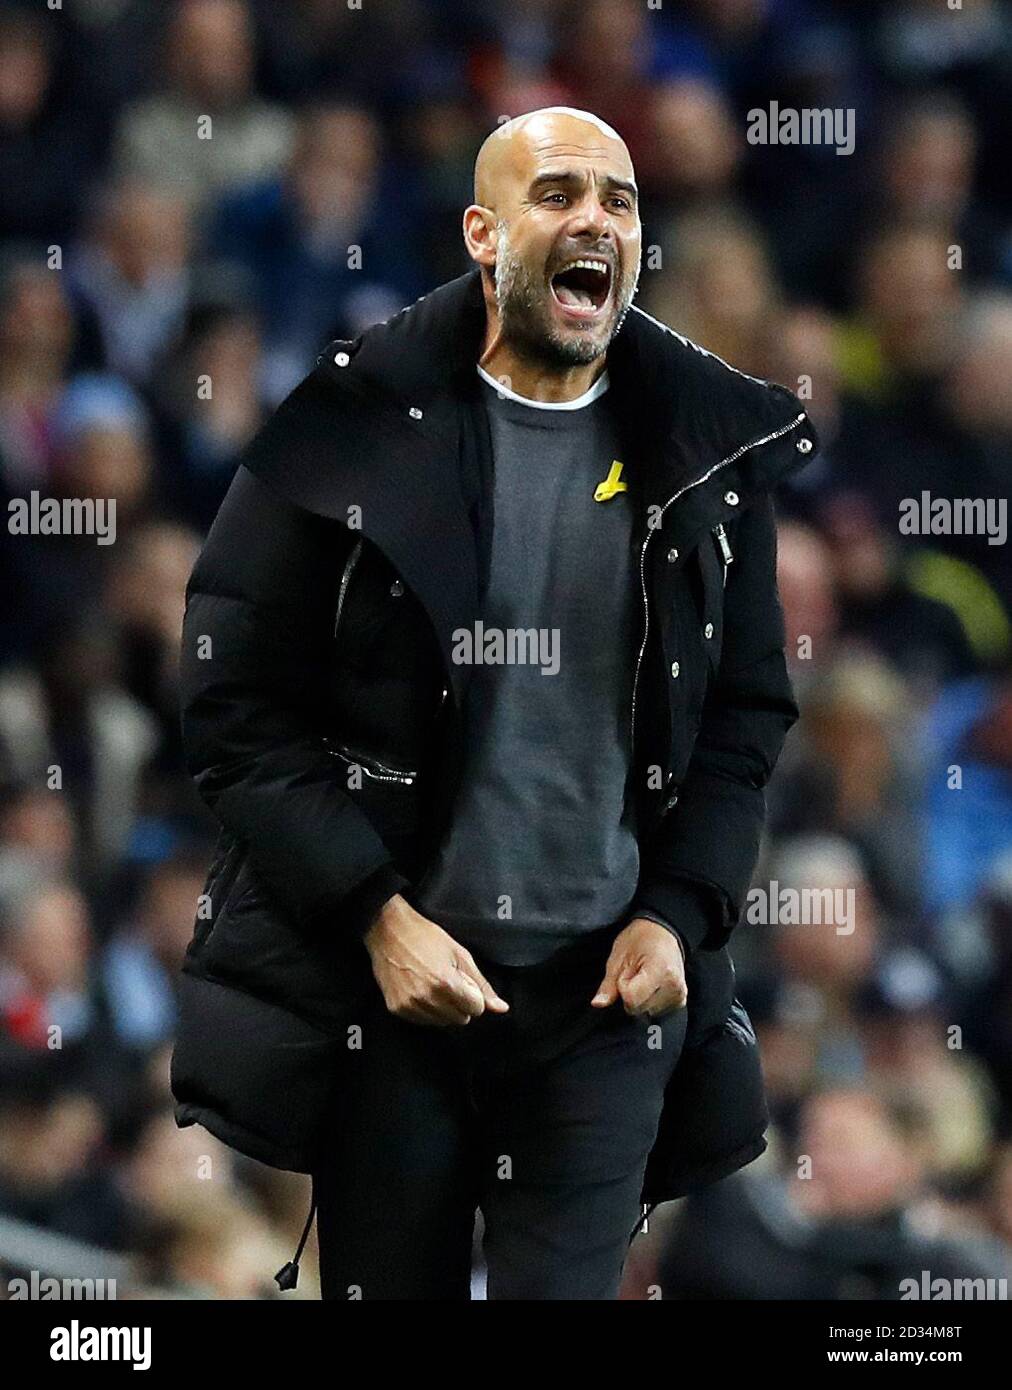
pixel 256 638
pixel 701 862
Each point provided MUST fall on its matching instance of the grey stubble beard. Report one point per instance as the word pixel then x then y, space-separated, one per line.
pixel 525 324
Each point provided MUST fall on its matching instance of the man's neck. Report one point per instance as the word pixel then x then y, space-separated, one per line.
pixel 536 381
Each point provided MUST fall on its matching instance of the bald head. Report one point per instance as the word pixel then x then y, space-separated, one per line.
pixel 555 228
pixel 516 146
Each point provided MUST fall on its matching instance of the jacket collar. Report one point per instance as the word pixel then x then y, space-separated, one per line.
pixel 377 432
pixel 690 408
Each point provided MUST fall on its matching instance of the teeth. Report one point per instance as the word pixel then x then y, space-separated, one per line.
pixel 579 298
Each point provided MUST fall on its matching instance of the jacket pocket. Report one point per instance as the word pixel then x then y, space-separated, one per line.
pixel 369 766
pixel 390 796
pixel 376 616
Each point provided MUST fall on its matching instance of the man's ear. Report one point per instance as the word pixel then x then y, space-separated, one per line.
pixel 480 236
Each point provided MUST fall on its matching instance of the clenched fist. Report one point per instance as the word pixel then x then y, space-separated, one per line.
pixel 645 969
pixel 425 976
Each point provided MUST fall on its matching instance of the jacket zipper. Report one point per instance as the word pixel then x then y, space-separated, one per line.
pixel 349 567
pixel 714 468
pixel 372 767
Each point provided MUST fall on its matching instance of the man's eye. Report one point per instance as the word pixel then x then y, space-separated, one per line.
pixel 621 202
pixel 560 196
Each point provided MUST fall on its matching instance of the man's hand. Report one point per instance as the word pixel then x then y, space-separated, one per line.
pixel 645 970
pixel 425 976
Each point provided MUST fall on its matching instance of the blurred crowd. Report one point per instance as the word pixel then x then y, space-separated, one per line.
pixel 199 195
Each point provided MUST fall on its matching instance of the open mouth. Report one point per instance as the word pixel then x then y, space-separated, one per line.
pixel 582 287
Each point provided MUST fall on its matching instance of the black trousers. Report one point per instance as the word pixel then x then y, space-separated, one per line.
pixel 543 1117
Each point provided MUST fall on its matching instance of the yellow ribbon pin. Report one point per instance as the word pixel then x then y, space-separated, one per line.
pixel 611 484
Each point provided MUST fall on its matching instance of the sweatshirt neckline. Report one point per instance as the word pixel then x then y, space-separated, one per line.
pixel 589 396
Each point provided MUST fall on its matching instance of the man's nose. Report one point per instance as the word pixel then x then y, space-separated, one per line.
pixel 589 218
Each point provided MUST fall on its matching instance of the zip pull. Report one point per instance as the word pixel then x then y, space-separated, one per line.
pixel 722 541
pixel 720 536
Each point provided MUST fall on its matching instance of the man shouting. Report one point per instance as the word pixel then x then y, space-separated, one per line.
pixel 483 677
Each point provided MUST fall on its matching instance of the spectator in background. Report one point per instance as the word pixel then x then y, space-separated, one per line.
pixel 852 776
pixel 695 149
pixel 603 59
pixel 844 1223
pixel 145 597
pixel 209 70
pixel 918 42
pixel 902 1016
pixel 312 49
pixel 140 965
pixel 326 244
pixel 47 145
pixel 199 1232
pixel 788 1019
pixel 949 435
pixel 921 638
pixel 976 386
pixel 808 596
pixel 977 947
pixel 52 1172
pixel 441 134
pixel 977 408
pixel 968 789
pixel 609 58
pixel 99 450
pixel 803 968
pixel 800 351
pixel 36 827
pixel 37 333
pixel 719 288
pixel 131 275
pixel 733 25
pixel 103 447
pixel 47 1006
pixel 207 1247
pixel 70 713
pixel 908 299
pixel 809 200
pixel 927 177
pixel 826 962
pixel 209 402
pixel 918 47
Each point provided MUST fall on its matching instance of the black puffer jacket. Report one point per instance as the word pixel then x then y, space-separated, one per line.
pixel 318 631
